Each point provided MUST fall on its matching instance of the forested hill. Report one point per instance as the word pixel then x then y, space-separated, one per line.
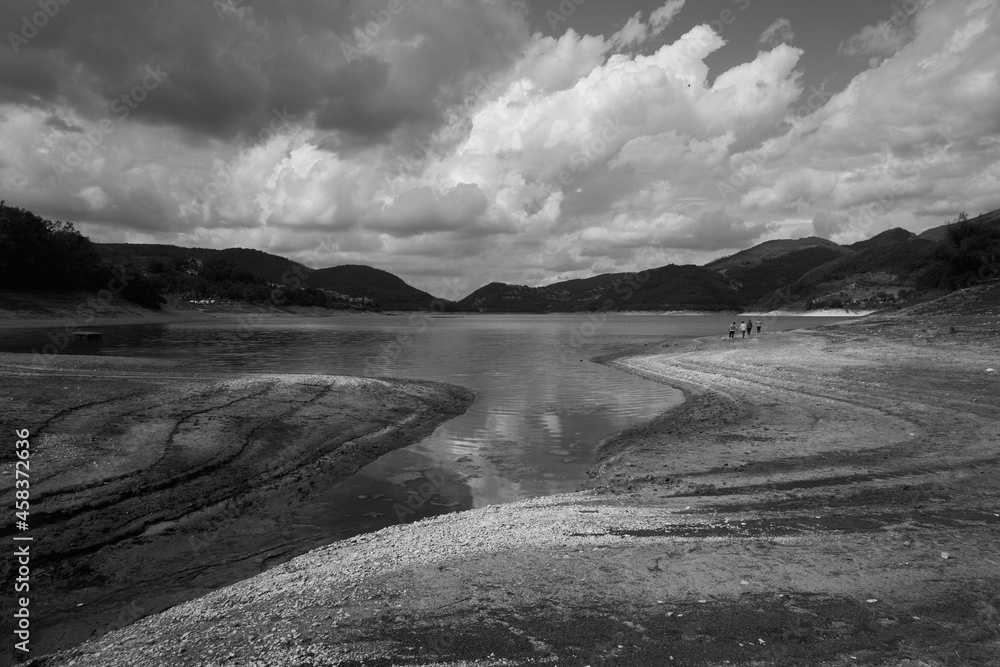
pixel 895 266
pixel 41 256
pixel 255 275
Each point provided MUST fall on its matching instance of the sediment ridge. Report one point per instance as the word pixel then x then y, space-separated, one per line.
pixel 142 471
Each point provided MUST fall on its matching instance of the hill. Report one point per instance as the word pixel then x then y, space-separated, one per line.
pixel 770 250
pixel 879 271
pixel 937 234
pixel 45 258
pixel 386 289
pixel 271 268
pixel 668 287
pixel 675 287
pixel 887 238
pixel 355 282
pixel 726 284
pixel 897 266
pixel 754 281
pixel 566 296
pixel 501 297
pixel 892 267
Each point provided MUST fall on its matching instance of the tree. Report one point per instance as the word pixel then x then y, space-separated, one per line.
pixel 37 254
pixel 969 253
pixel 43 256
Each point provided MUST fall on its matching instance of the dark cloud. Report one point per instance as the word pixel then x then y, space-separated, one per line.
pixel 59 123
pixel 138 208
pixel 230 63
pixel 30 78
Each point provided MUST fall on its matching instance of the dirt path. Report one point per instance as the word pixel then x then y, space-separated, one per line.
pixel 822 497
pixel 143 478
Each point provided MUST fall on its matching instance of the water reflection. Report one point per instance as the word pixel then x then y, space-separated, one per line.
pixel 532 430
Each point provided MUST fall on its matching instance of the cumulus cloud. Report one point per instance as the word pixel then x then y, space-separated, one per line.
pixel 882 39
pixel 424 210
pixel 556 64
pixel 663 16
pixel 905 144
pixel 452 146
pixel 352 67
pixel 779 32
pixel 828 225
pixel 94 196
pixel 635 32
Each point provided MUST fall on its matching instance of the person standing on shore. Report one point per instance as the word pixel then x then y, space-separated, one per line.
pixel 750 327
pixel 758 325
pixel 732 330
pixel 743 328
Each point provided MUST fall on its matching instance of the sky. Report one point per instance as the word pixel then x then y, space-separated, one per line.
pixel 460 142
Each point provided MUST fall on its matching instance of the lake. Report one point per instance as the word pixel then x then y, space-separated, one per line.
pixel 541 408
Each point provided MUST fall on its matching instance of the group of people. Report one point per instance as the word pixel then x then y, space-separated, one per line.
pixel 745 327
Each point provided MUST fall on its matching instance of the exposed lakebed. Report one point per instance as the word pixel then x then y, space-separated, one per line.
pixel 541 409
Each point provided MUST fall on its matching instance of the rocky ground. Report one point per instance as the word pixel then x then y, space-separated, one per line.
pixel 136 466
pixel 822 497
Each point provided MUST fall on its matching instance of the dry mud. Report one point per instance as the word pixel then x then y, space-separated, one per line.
pixel 143 473
pixel 822 497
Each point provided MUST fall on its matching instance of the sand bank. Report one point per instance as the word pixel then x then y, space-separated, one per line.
pixel 822 497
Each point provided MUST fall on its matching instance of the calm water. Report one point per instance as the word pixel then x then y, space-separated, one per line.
pixel 541 406
pixel 540 412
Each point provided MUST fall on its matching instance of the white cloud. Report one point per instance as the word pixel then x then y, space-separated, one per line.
pixel 557 156
pixel 897 142
pixel 779 32
pixel 556 64
pixel 882 39
pixel 663 16
pixel 94 196
pixel 635 32
pixel 828 225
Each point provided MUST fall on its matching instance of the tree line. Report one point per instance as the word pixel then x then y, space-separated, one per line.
pixel 42 256
pixel 38 255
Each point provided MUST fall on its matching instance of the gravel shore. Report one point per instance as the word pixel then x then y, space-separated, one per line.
pixel 821 497
pixel 150 483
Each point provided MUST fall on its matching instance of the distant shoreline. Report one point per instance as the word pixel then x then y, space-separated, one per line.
pixel 63 316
